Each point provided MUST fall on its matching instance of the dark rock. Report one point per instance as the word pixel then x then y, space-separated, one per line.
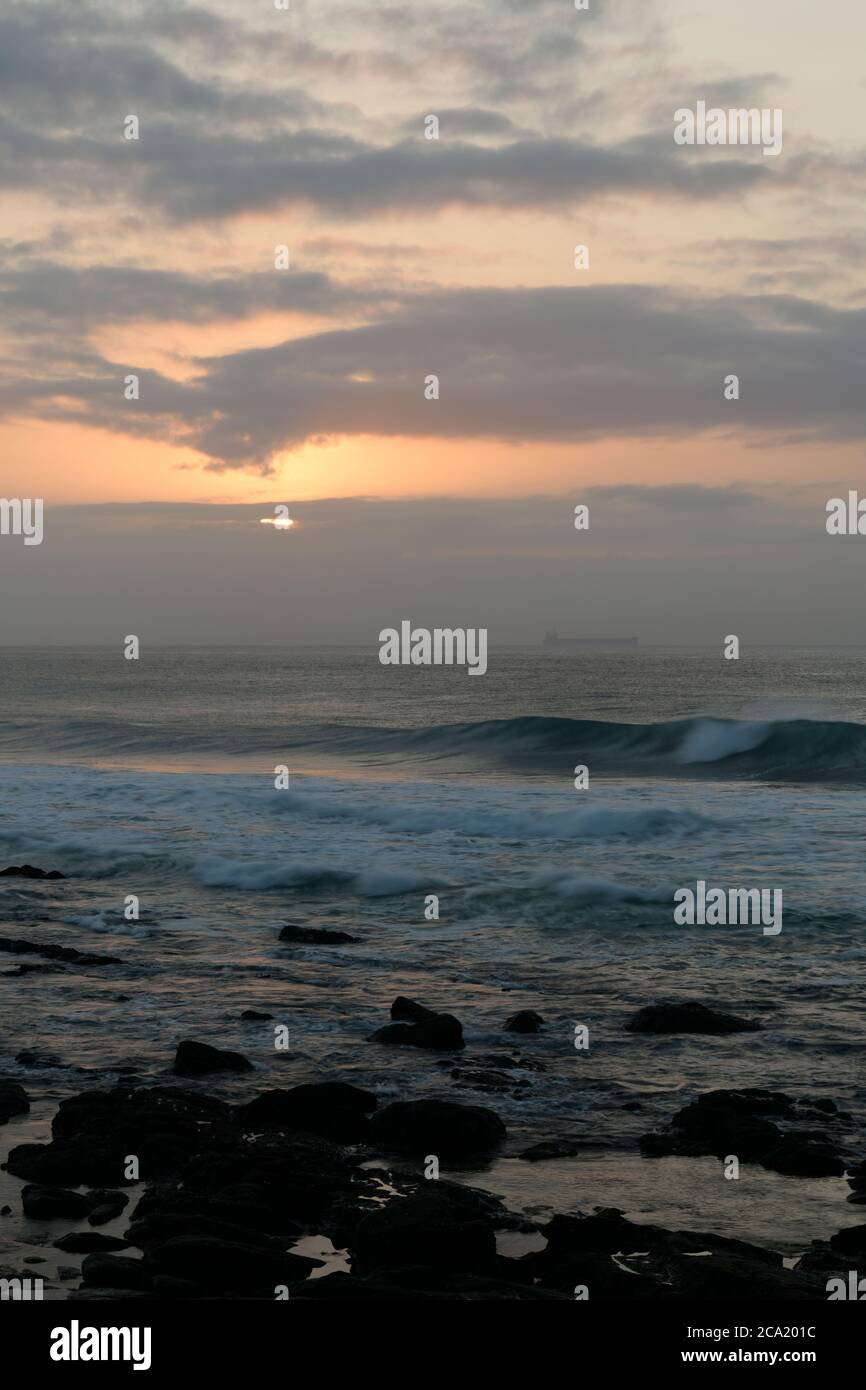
pixel 619 1259
pixel 267 1180
pixel 424 1229
pixel 820 1258
pixel 315 936
pixel 227 1265
pixel 857 1176
pixel 688 1018
pixel 526 1021
pixel 200 1059
pixel 85 1242
pixel 551 1148
pixel 828 1107
pixel 13 1100
pixel 28 871
pixel 249 1214
pixel 751 1100
pixel 421 1028
pixel 493 1081
pixel 733 1122
pixel 6 1211
pixel 438 1127
pixel 160 1227
pixel 39 1059
pixel 108 1205
pixel 164 1126
pixel 253 1016
pixel 851 1241
pixel 19 946
pixel 804 1157
pixel 728 1277
pixel 51 1203
pixel 34 970
pixel 509 1061
pixel 114 1272
pixel 332 1109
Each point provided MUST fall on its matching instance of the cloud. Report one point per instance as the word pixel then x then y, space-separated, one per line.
pixel 520 365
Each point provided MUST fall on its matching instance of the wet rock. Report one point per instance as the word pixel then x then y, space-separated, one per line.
pixel 493 1081
pixel 267 1179
pixel 34 970
pixel 40 1059
pixel 857 1176
pixel 439 1127
pixel 20 946
pixel 227 1265
pixel 419 1027
pixel 620 1259
pixel 424 1229
pixel 688 1017
pixel 526 1021
pixel 85 1242
pixel 200 1059
pixel 820 1258
pixel 114 1272
pixel 160 1227
pixel 164 1126
pixel 244 1213
pixel 253 1016
pixel 725 1276
pixel 551 1148
pixel 734 1122
pixel 804 1157
pixel 315 936
pixel 51 1203
pixel 851 1241
pixel 13 1100
pixel 509 1061
pixel 108 1205
pixel 332 1109
pixel 28 871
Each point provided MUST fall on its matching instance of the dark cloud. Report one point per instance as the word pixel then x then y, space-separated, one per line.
pixel 83 297
pixel 555 364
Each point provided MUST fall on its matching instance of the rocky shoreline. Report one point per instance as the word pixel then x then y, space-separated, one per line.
pixel 329 1190
pixel 227 1198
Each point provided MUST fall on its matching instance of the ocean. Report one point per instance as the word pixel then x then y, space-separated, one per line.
pixel 156 778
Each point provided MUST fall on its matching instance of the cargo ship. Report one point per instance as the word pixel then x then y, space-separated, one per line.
pixel 553 639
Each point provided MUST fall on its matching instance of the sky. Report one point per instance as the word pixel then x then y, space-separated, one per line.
pixel 305 128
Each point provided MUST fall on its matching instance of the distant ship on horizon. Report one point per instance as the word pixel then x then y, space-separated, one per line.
pixel 553 639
